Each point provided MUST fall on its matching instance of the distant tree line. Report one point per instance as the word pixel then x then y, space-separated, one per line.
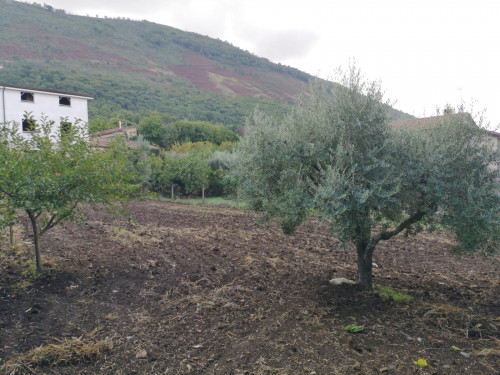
pixel 194 157
pixel 185 170
pixel 155 130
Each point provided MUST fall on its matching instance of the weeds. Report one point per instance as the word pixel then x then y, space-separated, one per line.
pixel 391 294
pixel 30 270
pixel 354 328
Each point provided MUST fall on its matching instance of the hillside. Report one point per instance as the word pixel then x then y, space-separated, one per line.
pixel 132 67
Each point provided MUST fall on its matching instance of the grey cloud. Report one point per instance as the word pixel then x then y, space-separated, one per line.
pixel 285 44
pixel 142 8
pixel 201 16
pixel 204 17
pixel 210 17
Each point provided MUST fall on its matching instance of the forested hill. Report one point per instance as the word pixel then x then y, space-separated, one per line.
pixel 132 68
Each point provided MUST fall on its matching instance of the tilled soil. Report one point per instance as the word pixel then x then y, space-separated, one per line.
pixel 177 289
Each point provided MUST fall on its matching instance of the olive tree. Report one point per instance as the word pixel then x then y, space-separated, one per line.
pixel 49 176
pixel 336 156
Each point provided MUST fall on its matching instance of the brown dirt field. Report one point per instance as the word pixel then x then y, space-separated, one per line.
pixel 177 289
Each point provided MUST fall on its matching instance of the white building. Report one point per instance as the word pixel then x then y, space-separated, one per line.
pixel 65 109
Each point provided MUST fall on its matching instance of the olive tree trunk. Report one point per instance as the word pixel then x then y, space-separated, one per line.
pixel 365 268
pixel 365 245
pixel 364 249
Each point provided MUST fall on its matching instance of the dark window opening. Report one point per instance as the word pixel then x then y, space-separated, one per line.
pixel 28 125
pixel 64 100
pixel 27 97
pixel 65 127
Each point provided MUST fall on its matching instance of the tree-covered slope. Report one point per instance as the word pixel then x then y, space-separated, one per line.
pixel 132 67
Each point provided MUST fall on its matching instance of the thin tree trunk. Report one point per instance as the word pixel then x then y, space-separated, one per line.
pixel 11 212
pixel 172 192
pixel 203 195
pixel 35 240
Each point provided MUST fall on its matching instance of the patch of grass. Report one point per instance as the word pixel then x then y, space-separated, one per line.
pixel 391 294
pixel 30 270
pixel 212 201
pixel 354 328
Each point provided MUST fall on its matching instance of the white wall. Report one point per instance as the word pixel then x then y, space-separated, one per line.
pixel 44 104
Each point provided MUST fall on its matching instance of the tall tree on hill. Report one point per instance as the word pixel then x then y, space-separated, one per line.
pixel 339 158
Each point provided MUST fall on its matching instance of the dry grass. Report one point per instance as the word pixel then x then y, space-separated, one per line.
pixel 67 351
pixel 217 297
pixel 141 235
pixel 452 318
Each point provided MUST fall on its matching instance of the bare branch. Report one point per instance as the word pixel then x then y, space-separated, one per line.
pixel 385 235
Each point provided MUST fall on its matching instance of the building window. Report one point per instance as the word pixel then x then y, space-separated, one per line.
pixel 65 127
pixel 27 97
pixel 64 100
pixel 28 125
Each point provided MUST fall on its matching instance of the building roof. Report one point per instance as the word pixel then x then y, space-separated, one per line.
pixel 493 134
pixel 104 142
pixel 104 138
pixel 108 132
pixel 6 85
pixel 426 122
pixel 421 123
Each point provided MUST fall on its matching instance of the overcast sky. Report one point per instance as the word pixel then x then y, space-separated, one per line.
pixel 427 53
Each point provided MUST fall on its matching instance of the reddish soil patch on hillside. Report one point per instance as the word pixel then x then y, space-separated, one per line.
pixel 207 75
pixel 67 48
pixel 7 52
pixel 176 289
pixel 215 79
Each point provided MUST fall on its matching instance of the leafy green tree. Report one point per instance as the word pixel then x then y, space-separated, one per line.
pixel 165 176
pixel 155 130
pixel 152 128
pixel 140 164
pixel 48 177
pixel 220 163
pixel 195 175
pixel 338 157
pixel 188 173
pixel 197 131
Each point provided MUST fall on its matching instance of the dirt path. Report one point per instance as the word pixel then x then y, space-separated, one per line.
pixel 177 289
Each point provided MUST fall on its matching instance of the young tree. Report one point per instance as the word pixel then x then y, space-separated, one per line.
pixel 48 177
pixel 140 163
pixel 337 156
pixel 188 172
